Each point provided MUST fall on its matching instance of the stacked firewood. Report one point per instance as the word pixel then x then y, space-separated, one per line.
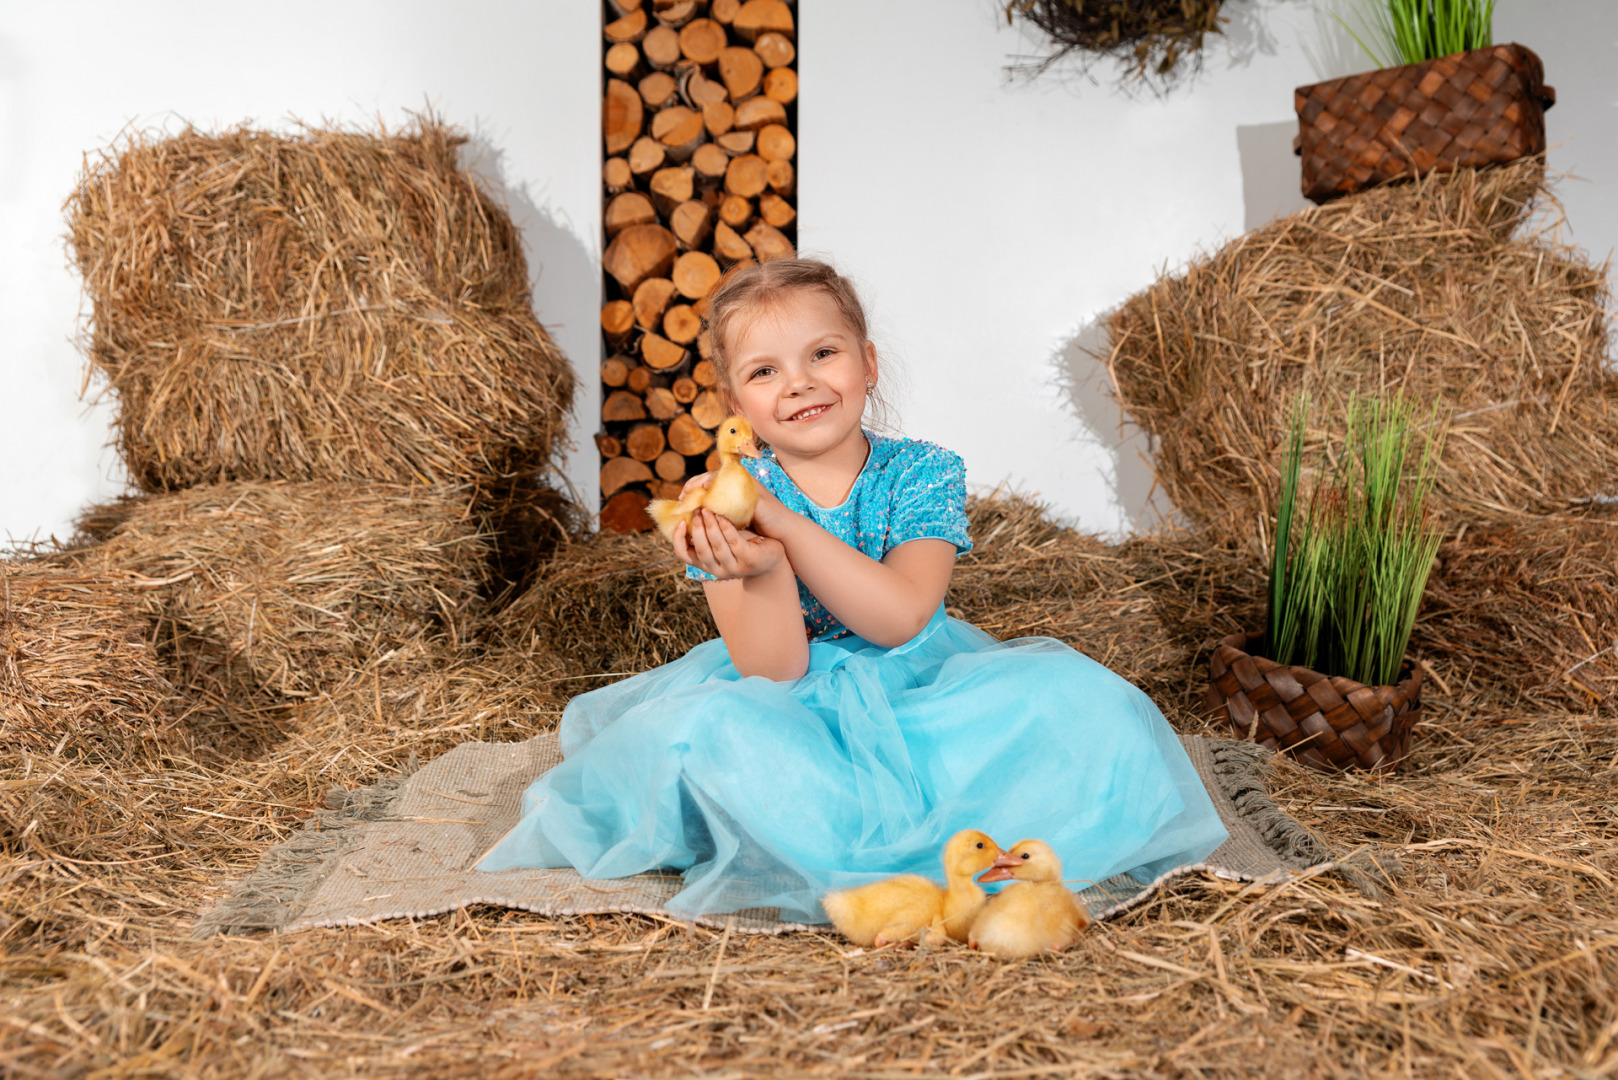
pixel 699 119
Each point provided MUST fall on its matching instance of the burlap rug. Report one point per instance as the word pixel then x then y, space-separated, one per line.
pixel 405 848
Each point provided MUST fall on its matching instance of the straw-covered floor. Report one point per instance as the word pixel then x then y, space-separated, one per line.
pixel 1495 954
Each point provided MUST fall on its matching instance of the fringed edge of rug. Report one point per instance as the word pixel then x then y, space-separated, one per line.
pixel 1242 768
pixel 270 897
pixel 737 919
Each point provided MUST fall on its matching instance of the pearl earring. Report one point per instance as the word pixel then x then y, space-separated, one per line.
pixel 869 386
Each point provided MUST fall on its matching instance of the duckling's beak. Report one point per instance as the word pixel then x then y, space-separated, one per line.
pixel 1004 864
pixel 748 449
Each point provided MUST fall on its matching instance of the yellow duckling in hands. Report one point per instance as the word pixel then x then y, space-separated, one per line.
pixel 731 492
pixel 1035 913
pixel 909 908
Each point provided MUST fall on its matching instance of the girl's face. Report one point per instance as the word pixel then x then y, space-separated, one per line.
pixel 798 373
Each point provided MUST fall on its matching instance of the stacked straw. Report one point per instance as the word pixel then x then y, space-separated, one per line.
pixel 329 375
pixel 330 306
pixel 1494 953
pixel 299 583
pixel 1448 288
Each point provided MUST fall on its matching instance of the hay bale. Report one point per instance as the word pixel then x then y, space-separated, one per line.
pixel 613 604
pixel 1448 288
pixel 296 584
pixel 321 306
pixel 1027 575
pixel 76 663
pixel 1525 616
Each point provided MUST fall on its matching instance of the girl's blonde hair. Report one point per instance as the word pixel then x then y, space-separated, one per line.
pixel 746 291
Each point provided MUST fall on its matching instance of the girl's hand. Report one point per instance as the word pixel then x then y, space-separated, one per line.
pixel 767 515
pixel 713 544
pixel 701 480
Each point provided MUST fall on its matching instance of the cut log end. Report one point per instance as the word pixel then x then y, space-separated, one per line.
pixel 776 50
pixel 670 466
pixel 657 89
pixel 616 175
pixel 694 274
pixel 681 324
pixel 625 512
pixel 692 222
pixel 662 47
pixel 758 112
pixel 708 410
pixel 639 252
pixel 775 210
pixel 645 442
pixel 623 405
pixel 660 353
pixel 615 371
pixel 729 245
pixel 747 176
pixel 687 437
pixel 758 17
pixel 617 320
pixel 652 298
pixel 742 71
pixel 661 404
pixel 630 28
pixel 621 116
pixel 781 85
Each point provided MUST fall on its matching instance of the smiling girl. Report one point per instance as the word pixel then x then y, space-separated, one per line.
pixel 843 727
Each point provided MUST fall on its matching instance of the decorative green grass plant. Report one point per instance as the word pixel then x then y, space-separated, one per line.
pixel 1410 31
pixel 1348 569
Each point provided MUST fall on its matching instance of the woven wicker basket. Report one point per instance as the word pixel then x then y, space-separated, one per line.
pixel 1322 720
pixel 1473 108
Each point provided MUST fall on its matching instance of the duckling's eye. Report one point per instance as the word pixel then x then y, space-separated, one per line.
pixel 1025 854
pixel 733 431
pixel 980 845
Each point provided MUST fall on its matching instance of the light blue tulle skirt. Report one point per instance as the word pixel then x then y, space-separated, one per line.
pixel 767 794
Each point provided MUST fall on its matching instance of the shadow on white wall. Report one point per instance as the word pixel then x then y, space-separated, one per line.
pixel 562 274
pixel 1081 374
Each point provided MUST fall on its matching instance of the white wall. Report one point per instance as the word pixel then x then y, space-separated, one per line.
pixel 520 77
pixel 991 222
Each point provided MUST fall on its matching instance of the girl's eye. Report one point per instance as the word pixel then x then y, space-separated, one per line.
pixel 761 371
pixel 822 353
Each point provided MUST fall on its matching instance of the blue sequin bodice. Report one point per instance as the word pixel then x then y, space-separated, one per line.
pixel 908 490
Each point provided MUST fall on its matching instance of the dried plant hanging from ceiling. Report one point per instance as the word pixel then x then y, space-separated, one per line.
pixel 1155 43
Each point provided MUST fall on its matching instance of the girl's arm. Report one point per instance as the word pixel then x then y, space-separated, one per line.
pixel 754 602
pixel 886 603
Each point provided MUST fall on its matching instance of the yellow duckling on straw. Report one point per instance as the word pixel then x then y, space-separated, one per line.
pixel 905 909
pixel 1036 913
pixel 731 493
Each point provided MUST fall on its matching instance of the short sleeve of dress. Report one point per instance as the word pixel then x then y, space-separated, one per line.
pixel 697 573
pixel 929 499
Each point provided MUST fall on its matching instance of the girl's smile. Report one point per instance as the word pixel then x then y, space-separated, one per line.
pixel 799 374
